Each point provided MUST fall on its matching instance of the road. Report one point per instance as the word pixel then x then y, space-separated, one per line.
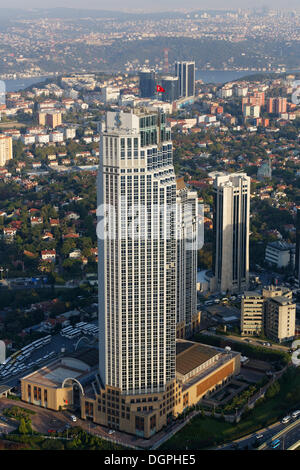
pixel 250 440
pixel 245 340
pixel 43 420
pixel 268 433
pixel 287 439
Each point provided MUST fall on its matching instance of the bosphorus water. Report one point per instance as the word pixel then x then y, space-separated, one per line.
pixel 208 76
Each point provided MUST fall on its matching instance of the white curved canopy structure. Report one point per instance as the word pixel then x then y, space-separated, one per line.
pixel 73 380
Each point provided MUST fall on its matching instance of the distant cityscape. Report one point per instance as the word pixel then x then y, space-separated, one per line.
pixel 52 42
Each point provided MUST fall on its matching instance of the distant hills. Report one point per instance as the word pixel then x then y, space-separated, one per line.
pixel 74 13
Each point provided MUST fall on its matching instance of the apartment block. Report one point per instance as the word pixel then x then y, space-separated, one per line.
pixel 252 313
pixel 271 311
pixel 6 149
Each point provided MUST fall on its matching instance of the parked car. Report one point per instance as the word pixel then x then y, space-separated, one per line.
pixel 295 414
pixel 111 431
pixel 286 419
pixel 73 418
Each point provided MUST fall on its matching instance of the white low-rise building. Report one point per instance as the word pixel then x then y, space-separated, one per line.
pixel 56 137
pixel 280 254
pixel 28 139
pixel 42 139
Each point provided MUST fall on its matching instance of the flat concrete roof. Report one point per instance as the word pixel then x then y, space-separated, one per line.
pixel 191 355
pixel 223 311
pixel 282 300
pixel 57 371
pixel 252 294
pixel 53 375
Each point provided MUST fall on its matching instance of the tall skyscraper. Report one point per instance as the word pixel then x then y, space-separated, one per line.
pixel 171 86
pixel 187 211
pixel 185 71
pixel 6 150
pixel 137 278
pixel 145 377
pixel 297 257
pixel 147 83
pixel 231 232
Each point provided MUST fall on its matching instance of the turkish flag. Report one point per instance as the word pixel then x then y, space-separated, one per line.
pixel 160 89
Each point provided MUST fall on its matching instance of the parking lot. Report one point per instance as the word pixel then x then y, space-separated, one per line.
pixel 40 356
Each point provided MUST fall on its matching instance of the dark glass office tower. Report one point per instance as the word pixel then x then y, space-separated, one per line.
pixel 185 71
pixel 147 83
pixel 171 86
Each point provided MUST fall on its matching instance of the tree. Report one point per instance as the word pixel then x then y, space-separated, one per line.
pixel 273 390
pixel 50 444
pixel 23 427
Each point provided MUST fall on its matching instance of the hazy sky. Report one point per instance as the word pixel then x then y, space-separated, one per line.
pixel 147 5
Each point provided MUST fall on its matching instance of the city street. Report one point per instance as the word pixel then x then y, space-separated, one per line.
pixel 253 341
pixel 250 441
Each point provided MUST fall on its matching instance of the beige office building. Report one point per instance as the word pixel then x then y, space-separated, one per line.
pixel 6 149
pixel 231 232
pixel 280 319
pixel 200 370
pixel 252 314
pixel 60 384
pixel 271 311
pixel 51 119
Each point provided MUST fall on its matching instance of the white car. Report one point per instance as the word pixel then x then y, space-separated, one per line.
pixel 259 436
pixel 295 414
pixel 73 418
pixel 286 419
pixel 111 431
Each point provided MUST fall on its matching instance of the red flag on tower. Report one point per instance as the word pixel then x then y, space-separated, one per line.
pixel 160 89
